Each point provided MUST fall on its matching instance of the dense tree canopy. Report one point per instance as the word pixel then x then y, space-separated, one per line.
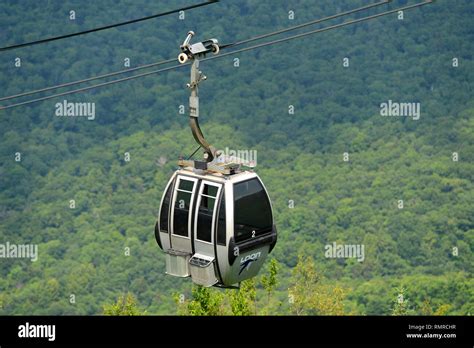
pixel 336 170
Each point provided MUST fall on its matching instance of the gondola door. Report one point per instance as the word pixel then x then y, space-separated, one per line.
pixel 181 214
pixel 203 263
pixel 205 218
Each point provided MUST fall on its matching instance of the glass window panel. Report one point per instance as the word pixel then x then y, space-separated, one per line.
pixel 186 185
pixel 211 190
pixel 206 210
pixel 252 211
pixel 221 224
pixel 164 213
pixel 181 213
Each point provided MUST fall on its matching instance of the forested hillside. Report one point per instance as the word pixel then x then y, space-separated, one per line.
pixel 337 171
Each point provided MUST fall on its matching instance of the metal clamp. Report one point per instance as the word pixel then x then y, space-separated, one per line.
pixel 193 51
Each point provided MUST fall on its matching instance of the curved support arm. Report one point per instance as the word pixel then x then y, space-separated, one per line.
pixel 199 137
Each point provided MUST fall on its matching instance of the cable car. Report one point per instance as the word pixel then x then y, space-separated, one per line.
pixel 215 221
pixel 216 228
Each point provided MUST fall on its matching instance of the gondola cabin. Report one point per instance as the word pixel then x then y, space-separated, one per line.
pixel 218 229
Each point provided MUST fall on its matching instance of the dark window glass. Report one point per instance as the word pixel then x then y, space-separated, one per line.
pixel 252 211
pixel 182 209
pixel 186 185
pixel 165 207
pixel 210 190
pixel 206 210
pixel 221 226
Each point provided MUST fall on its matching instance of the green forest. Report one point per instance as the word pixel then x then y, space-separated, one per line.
pixel 87 192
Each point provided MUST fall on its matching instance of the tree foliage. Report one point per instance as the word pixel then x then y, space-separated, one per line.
pixel 310 295
pixel 92 254
pixel 126 305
